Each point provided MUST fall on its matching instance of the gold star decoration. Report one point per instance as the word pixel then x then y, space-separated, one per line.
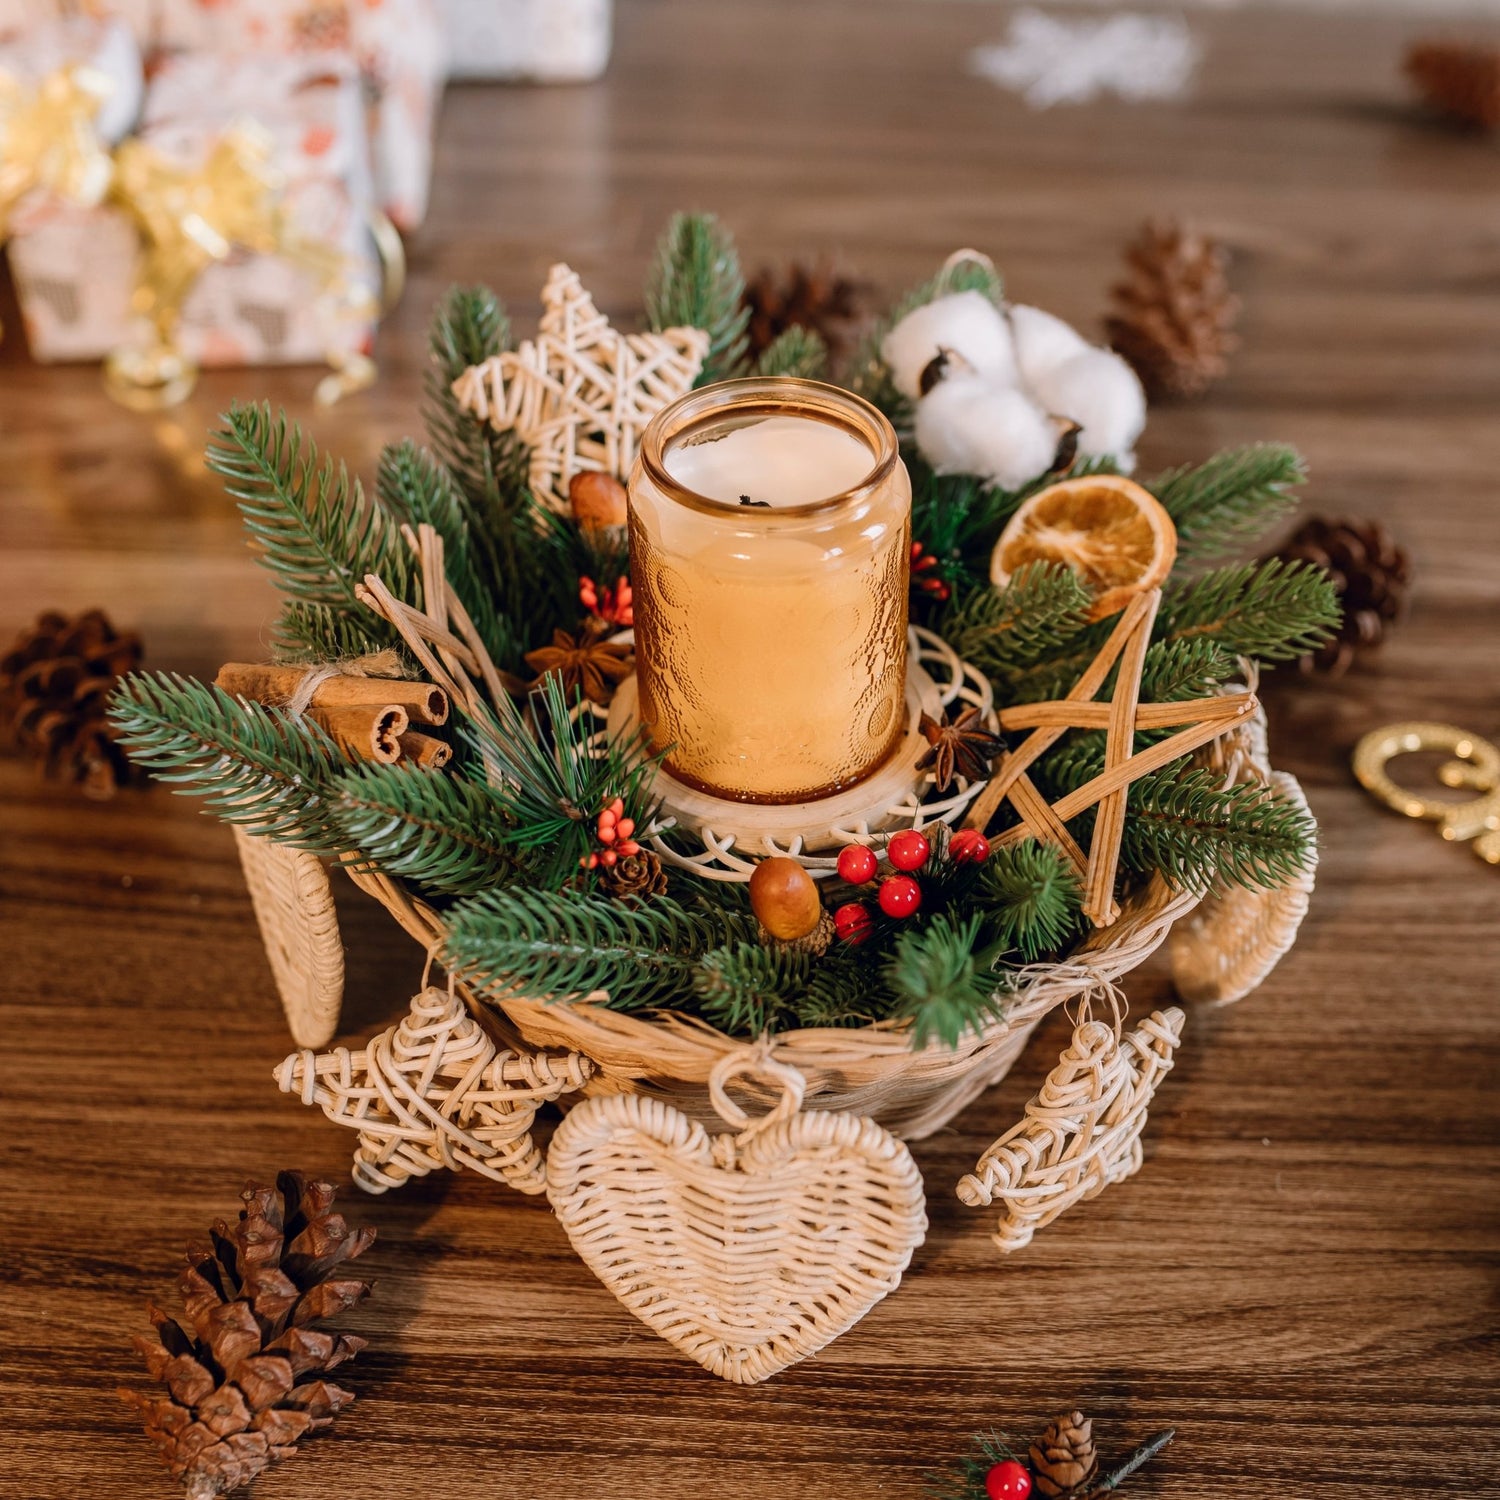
pixel 580 394
pixel 1201 719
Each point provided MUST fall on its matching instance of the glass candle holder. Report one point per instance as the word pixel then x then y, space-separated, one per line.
pixel 770 553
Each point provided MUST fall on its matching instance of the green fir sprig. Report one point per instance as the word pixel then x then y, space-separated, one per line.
pixel 1224 504
pixel 695 281
pixel 254 766
pixel 937 983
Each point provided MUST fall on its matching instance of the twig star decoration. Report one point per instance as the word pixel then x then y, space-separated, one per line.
pixel 1202 720
pixel 580 394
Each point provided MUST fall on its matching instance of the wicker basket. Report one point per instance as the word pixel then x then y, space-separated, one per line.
pixel 663 1078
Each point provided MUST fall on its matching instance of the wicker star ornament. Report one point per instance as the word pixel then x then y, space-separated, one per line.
pixel 1198 721
pixel 580 394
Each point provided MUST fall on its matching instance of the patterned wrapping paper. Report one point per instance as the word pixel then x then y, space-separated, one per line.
pixel 75 268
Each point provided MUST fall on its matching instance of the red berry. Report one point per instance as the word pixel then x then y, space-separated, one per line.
pixel 857 864
pixel 908 850
pixel 1008 1480
pixel 969 847
pixel 853 922
pixel 900 896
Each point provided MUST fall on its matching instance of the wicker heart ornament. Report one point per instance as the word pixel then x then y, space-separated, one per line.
pixel 750 1251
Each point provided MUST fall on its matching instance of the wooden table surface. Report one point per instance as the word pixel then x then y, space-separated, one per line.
pixel 1302 1277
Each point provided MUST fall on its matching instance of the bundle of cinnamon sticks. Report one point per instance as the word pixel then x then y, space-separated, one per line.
pixel 369 718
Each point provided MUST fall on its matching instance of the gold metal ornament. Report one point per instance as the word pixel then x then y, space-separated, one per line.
pixel 1475 767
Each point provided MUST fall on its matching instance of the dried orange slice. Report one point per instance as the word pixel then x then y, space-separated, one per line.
pixel 1115 535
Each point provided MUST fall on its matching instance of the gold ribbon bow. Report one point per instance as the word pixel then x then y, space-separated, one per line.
pixel 190 217
pixel 48 141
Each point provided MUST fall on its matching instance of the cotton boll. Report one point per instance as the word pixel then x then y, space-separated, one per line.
pixel 967 323
pixel 1098 390
pixel 1042 341
pixel 968 424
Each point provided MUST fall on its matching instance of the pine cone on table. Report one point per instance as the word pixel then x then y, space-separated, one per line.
pixel 245 1379
pixel 1371 574
pixel 806 296
pixel 1460 82
pixel 1173 318
pixel 1063 1458
pixel 55 683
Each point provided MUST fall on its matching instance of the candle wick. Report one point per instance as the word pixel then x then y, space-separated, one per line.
pixel 746 500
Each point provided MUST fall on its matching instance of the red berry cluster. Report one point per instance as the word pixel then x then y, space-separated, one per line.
pixel 613 829
pixel 922 575
pixel 899 895
pixel 614 606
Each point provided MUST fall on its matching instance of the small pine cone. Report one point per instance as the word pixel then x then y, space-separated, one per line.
pixel 1173 318
pixel 55 683
pixel 638 874
pixel 1460 82
pixel 815 297
pixel 244 1379
pixel 1063 1459
pixel 1371 574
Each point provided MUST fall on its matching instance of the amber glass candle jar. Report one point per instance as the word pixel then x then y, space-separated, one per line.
pixel 770 548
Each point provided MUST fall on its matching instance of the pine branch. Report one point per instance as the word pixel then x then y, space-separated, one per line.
pixel 1198 834
pixel 1230 500
pixel 748 988
pixel 1177 671
pixel 1030 899
pixel 553 784
pixel 316 531
pixel 1182 821
pixel 564 945
pixel 490 468
pixel 1273 610
pixel 1041 609
pixel 695 282
pixel 311 633
pixel 445 832
pixel 934 982
pixel 795 351
pixel 252 765
pixel 417 490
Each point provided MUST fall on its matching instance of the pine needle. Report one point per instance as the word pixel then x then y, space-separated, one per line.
pixel 695 282
pixel 1223 504
pixel 934 982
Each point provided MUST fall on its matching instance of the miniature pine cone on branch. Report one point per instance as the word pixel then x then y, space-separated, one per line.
pixel 245 1379
pixel 1173 317
pixel 1063 1458
pixel 1460 82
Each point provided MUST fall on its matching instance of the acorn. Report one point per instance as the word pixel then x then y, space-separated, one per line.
pixel 784 898
pixel 598 500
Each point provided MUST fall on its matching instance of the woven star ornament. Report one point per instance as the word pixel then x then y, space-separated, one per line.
pixel 580 394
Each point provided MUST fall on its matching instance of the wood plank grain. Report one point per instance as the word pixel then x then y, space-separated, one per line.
pixel 1302 1276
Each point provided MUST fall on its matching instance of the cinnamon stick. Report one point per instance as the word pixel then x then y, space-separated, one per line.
pixel 423 702
pixel 425 750
pixel 367 731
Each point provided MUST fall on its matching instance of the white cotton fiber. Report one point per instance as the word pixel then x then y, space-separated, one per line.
pixel 1098 390
pixel 967 323
pixel 1042 341
pixel 971 424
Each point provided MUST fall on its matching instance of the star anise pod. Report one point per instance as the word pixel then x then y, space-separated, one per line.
pixel 961 746
pixel 585 660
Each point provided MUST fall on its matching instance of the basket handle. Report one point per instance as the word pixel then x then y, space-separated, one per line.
pixel 1081 1132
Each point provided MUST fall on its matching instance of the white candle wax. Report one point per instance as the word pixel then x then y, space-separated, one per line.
pixel 777 461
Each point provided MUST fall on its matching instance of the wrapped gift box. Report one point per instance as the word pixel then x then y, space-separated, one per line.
pixel 75 269
pixel 537 41
pixel 33 46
